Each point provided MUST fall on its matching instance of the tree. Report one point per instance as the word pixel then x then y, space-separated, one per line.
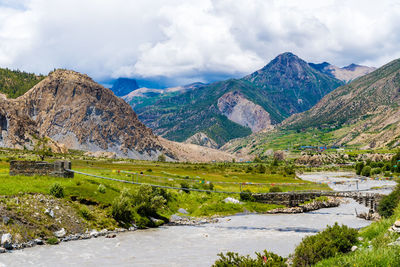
pixel 162 158
pixel 42 148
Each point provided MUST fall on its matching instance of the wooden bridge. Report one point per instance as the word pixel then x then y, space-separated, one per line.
pixel 293 199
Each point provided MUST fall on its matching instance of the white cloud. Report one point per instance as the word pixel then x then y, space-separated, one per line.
pixel 187 40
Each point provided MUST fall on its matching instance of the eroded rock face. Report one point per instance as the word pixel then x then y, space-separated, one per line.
pixel 73 110
pixel 201 139
pixel 244 112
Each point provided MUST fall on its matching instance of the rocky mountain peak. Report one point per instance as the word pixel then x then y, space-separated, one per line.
pixel 72 109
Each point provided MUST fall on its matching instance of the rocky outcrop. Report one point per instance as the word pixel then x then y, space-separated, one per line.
pixel 244 112
pixel 73 110
pixel 201 139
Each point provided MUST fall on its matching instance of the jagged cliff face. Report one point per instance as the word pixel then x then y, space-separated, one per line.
pixel 244 112
pixel 72 109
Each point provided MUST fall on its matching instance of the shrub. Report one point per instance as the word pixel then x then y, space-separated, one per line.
pixel 101 189
pixel 185 186
pixel 389 203
pixel 86 213
pixel 246 195
pixel 275 189
pixel 162 158
pixel 257 159
pixel 328 243
pixel 147 201
pixel 366 171
pixel 376 171
pixel 289 170
pixel 52 241
pixel 57 190
pixel 234 259
pixel 261 168
pixel 359 167
pixel 121 209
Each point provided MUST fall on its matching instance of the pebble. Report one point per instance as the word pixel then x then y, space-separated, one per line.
pixel 6 241
pixel 61 233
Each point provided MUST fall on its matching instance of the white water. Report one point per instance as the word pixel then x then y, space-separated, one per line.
pixel 196 245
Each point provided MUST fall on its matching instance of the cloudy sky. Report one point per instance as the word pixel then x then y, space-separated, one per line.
pixel 181 41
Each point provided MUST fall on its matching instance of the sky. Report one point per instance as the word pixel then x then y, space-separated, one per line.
pixel 175 42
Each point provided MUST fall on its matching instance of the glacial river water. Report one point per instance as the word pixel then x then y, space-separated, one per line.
pixel 198 245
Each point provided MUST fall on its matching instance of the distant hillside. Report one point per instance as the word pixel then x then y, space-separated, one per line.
pixel 123 86
pixel 233 108
pixel 14 83
pixel 345 74
pixel 362 114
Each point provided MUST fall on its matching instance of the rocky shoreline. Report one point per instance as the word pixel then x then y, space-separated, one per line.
pixel 7 245
pixel 175 220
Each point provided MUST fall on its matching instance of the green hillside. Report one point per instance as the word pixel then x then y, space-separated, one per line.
pixel 285 86
pixel 15 83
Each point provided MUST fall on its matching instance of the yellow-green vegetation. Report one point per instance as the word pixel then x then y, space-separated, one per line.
pixel 15 83
pixel 374 249
pixel 95 203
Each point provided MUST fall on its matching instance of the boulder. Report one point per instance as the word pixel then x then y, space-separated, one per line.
pixel 94 233
pixel 6 241
pixel 6 220
pixel 112 235
pixel 61 233
pixel 354 248
pixel 183 211
pixel 231 200
pixel 38 241
pixel 2 250
pixel 49 212
pixel 397 223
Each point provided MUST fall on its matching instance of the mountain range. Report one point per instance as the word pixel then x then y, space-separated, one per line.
pixel 236 107
pixel 362 114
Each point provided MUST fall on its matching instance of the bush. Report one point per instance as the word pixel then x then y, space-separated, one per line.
pixel 366 171
pixel 359 167
pixel 376 171
pixel 185 186
pixel 257 159
pixel 57 190
pixel 234 259
pixel 389 203
pixel 261 168
pixel 162 158
pixel 275 189
pixel 289 170
pixel 147 201
pixel 121 209
pixel 52 241
pixel 246 195
pixel 328 243
pixel 101 189
pixel 86 213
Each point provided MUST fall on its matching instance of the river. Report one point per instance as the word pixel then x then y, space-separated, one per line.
pixel 198 245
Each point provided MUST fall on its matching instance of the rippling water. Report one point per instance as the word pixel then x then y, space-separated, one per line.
pixel 194 245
